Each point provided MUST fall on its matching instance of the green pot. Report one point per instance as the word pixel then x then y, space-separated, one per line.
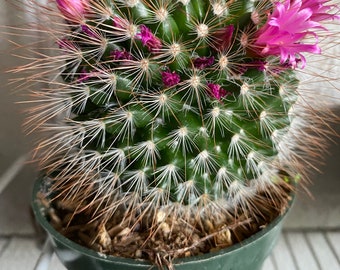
pixel 247 255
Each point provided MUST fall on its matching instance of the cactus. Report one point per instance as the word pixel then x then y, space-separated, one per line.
pixel 172 112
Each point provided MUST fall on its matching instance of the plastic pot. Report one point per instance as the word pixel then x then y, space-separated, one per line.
pixel 247 255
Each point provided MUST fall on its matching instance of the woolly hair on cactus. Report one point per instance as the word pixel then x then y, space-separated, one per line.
pixel 175 118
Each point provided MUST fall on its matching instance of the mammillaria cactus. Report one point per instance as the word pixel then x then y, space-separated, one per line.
pixel 175 118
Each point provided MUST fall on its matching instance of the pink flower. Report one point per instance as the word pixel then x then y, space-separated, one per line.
pixel 73 9
pixel 283 33
pixel 203 62
pixel 320 10
pixel 149 39
pixel 216 91
pixel 170 78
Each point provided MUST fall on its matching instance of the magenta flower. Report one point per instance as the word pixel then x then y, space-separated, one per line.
pixel 149 39
pixel 203 62
pixel 170 78
pixel 216 91
pixel 320 9
pixel 73 9
pixel 284 32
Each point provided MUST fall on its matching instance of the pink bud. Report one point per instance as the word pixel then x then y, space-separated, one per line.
pixel 223 38
pixel 203 62
pixel 170 78
pixel 149 39
pixel 73 9
pixel 216 91
pixel 121 55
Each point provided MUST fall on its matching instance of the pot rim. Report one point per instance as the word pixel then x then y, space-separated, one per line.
pixel 41 217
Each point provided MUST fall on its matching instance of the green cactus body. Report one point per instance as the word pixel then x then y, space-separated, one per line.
pixel 168 107
pixel 169 113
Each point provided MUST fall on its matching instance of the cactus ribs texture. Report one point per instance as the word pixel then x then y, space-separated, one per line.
pixel 170 113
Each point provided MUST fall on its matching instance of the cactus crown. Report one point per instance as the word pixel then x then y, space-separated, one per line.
pixel 176 110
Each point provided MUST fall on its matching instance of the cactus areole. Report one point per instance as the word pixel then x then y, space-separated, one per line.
pixel 175 133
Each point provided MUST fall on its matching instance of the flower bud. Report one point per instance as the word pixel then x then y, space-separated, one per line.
pixel 72 9
pixel 170 78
